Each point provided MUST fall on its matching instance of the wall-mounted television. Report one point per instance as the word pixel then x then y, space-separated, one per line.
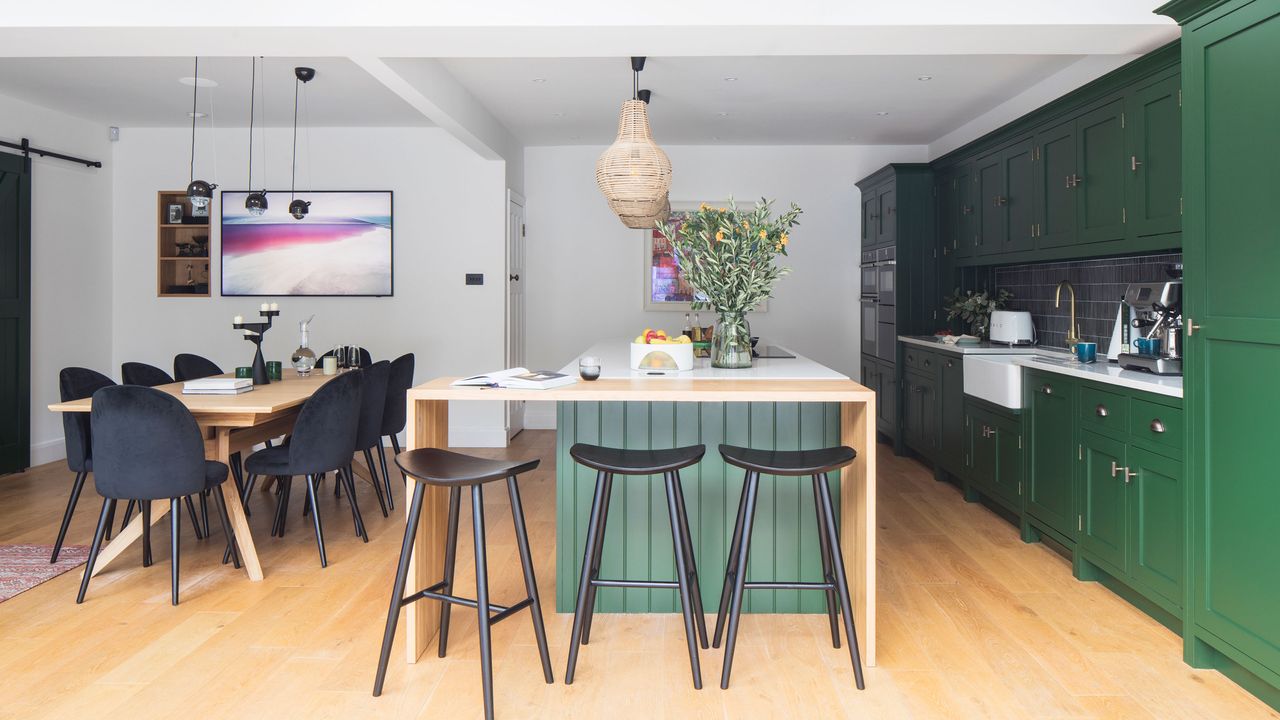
pixel 342 247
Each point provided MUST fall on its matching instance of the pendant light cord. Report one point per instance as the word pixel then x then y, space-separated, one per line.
pixel 253 87
pixel 195 89
pixel 293 172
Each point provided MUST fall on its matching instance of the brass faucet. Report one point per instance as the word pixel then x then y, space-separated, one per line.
pixel 1073 331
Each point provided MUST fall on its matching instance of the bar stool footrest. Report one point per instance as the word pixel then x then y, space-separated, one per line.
pixel 500 612
pixel 650 584
pixel 789 586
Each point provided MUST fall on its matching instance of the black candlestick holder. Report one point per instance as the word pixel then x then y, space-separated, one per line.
pixel 258 329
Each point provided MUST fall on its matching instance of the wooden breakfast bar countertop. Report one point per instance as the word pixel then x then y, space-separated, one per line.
pixel 428 423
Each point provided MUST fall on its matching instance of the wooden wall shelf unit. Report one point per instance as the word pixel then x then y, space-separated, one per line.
pixel 179 272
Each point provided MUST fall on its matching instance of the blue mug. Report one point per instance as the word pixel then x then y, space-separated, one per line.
pixel 1087 352
pixel 1148 346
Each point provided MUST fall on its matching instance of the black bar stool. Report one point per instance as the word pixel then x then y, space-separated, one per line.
pixel 431 466
pixel 796 463
pixel 608 462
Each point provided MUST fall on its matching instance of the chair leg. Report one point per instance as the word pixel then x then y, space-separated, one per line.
pixel 386 476
pixel 832 605
pixel 108 509
pixel 682 581
pixel 740 577
pixel 76 487
pixel 175 520
pixel 247 492
pixel 232 549
pixel 450 558
pixel 397 591
pixel 195 519
pixel 111 521
pixel 482 599
pixel 584 580
pixel 146 532
pixel 530 582
pixel 686 538
pixel 204 511
pixel 315 518
pixel 842 582
pixel 377 484
pixel 128 513
pixel 726 590
pixel 282 505
pixel 590 608
pixel 355 506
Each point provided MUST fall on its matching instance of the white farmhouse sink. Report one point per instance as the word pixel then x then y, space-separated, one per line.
pixel 994 378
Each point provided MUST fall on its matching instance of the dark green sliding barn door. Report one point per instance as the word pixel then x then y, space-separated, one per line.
pixel 15 313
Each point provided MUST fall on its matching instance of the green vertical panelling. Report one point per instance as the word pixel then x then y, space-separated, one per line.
pixel 638 543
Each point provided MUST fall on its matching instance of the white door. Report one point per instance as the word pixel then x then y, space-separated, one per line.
pixel 515 302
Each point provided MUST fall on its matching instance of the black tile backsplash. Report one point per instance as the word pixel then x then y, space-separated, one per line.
pixel 1099 285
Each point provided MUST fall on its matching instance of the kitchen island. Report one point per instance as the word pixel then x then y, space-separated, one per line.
pixel 791 403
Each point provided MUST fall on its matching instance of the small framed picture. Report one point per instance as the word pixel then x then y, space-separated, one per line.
pixel 175 214
pixel 198 211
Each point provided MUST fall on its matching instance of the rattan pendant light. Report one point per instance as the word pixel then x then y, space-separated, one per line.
pixel 634 174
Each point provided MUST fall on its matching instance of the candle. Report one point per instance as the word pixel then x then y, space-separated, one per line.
pixel 330 365
pixel 275 307
pixel 239 319
pixel 265 307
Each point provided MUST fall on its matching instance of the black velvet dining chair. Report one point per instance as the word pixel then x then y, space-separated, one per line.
pixel 373 400
pixel 393 415
pixel 323 441
pixel 193 367
pixel 148 448
pixel 77 383
pixel 136 373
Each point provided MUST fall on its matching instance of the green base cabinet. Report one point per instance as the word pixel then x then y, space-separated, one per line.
pixel 1103 519
pixel 994 460
pixel 1050 400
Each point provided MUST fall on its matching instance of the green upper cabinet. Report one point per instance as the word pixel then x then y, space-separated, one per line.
pixel 1056 202
pixel 1154 126
pixel 962 185
pixel 990 196
pixel 869 219
pixel 1018 201
pixel 886 209
pixel 1050 485
pixel 1101 174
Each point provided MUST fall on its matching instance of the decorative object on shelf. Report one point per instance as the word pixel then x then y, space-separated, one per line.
pixel 633 173
pixel 298 207
pixel 199 192
pixel 974 308
pixel 175 214
pixel 304 358
pixel 253 332
pixel 727 256
pixel 256 201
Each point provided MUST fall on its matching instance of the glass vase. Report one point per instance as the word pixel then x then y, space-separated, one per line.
pixel 731 341
pixel 304 358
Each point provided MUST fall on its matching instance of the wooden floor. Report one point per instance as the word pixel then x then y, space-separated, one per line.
pixel 973 624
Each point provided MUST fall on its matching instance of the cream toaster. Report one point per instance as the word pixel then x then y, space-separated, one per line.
pixel 1012 327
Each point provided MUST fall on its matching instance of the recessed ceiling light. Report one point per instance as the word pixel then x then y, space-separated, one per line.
pixel 715 137
pixel 882 113
pixel 559 114
pixel 539 80
pixel 925 78
pixel 731 79
pixel 196 114
pixel 202 82
pixel 723 114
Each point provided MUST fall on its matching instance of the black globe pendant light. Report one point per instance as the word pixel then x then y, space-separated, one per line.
pixel 256 201
pixel 199 192
pixel 298 207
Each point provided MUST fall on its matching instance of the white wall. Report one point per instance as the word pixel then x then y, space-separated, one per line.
pixel 70 258
pixel 449 219
pixel 586 270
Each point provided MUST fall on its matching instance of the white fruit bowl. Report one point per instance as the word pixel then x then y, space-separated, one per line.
pixel 665 358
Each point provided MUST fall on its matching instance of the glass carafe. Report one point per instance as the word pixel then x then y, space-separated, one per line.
pixel 304 358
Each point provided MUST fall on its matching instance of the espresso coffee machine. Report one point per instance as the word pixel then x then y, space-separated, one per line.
pixel 1156 344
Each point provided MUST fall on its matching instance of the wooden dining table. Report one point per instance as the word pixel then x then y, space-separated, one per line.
pixel 230 424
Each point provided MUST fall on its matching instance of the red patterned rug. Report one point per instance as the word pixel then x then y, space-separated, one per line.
pixel 23 567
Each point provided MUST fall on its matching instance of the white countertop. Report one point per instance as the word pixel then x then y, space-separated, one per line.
pixel 1107 372
pixel 615 362
pixel 984 348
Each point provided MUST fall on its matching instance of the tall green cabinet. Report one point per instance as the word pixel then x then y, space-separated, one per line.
pixel 1231 229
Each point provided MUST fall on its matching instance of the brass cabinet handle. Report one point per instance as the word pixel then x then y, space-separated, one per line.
pixel 1101 410
pixel 1157 426
pixel 1047 389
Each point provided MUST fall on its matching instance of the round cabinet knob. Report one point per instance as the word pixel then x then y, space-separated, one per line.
pixel 928 363
pixel 1101 410
pixel 951 363
pixel 911 358
pixel 1046 389
pixel 1157 426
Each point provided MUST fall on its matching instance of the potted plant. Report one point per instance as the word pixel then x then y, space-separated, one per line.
pixel 727 256
pixel 974 308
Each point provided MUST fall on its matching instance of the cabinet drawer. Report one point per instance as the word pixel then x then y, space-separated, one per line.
pixel 922 360
pixel 1156 423
pixel 1103 410
pixel 1048 383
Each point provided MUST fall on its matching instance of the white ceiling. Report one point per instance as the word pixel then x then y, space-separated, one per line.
pixel 773 100
pixel 146 92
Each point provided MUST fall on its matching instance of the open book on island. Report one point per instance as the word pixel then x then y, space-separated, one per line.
pixel 520 378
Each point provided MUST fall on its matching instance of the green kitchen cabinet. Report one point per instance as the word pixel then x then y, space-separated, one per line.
pixel 951 428
pixel 1157 536
pixel 966 216
pixel 1231 152
pixel 920 412
pixel 878 376
pixel 991 221
pixel 995 454
pixel 1154 189
pixel 1055 199
pixel 1050 498
pixel 1104 484
pixel 886 209
pixel 1100 177
pixel 1018 201
pixel 869 236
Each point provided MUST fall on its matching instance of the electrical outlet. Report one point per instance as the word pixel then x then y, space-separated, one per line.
pixel 475 278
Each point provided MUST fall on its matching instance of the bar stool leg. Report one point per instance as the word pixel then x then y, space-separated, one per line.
pixel 595 561
pixel 682 581
pixel 687 540
pixel 175 521
pixel 842 582
pixel 740 577
pixel 397 590
pixel 482 599
pixel 726 590
pixel 315 518
pixel 584 580
pixel 827 564
pixel 450 558
pixel 108 510
pixel 530 582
